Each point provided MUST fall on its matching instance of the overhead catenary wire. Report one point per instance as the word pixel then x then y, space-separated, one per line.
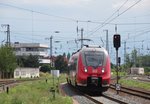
pixel 130 23
pixel 66 18
pixel 120 24
pixel 99 27
pixel 105 22
pixel 115 12
pixel 143 33
pixel 26 38
pixel 24 35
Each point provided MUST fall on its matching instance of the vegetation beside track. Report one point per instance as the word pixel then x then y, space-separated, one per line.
pixel 134 83
pixel 131 82
pixel 35 92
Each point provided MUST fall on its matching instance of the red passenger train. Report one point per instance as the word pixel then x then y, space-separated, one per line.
pixel 90 67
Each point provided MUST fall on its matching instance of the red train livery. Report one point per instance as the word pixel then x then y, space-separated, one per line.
pixel 90 67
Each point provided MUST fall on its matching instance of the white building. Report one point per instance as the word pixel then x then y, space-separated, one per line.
pixel 26 73
pixel 135 70
pixel 26 49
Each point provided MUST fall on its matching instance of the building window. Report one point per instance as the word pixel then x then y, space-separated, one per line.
pixel 17 73
pixel 42 49
pixel 32 49
pixel 17 49
pixel 23 73
pixel 28 49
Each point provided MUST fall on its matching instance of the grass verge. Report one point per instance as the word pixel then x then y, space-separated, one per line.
pixel 134 83
pixel 34 92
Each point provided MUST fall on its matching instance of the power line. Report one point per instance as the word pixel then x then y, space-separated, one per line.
pixel 140 16
pixel 8 5
pixel 105 22
pixel 143 33
pixel 142 23
pixel 99 27
pixel 61 37
pixel 132 23
pixel 26 38
pixel 115 11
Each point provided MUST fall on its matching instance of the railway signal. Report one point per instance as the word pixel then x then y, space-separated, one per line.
pixel 116 41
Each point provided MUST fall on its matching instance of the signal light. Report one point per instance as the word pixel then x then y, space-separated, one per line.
pixel 116 41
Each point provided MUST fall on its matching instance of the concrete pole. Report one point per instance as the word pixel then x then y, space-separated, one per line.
pixel 81 37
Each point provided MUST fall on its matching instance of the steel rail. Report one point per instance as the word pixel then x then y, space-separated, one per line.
pixel 134 92
pixel 113 99
pixel 96 101
pixel 92 99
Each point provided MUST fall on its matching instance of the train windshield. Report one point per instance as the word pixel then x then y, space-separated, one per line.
pixel 94 59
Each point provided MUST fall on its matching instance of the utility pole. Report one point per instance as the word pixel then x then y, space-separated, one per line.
pixel 81 37
pixel 125 52
pixel 51 61
pixel 76 43
pixel 51 50
pixel 107 43
pixel 8 33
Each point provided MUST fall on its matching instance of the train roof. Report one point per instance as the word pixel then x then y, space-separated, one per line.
pixel 91 47
pixel 87 48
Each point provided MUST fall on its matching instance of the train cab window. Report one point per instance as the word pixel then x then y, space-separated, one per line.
pixel 94 59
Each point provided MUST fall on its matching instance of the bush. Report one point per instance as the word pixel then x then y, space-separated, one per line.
pixel 45 68
pixel 147 70
pixel 44 74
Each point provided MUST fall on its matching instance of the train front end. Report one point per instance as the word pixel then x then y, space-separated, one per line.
pixel 93 68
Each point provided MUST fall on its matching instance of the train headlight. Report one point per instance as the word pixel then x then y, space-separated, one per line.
pixel 85 70
pixel 103 70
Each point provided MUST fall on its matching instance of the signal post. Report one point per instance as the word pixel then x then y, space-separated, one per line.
pixel 116 42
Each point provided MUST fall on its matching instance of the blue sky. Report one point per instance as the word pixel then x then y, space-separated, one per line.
pixel 35 20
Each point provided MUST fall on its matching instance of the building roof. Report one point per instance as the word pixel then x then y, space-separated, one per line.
pixel 21 45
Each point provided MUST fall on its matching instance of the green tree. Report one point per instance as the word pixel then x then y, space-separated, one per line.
pixel 131 60
pixel 60 63
pixel 129 63
pixel 28 61
pixel 32 61
pixel 45 68
pixel 68 56
pixel 145 60
pixel 7 62
pixel 64 54
pixel 134 57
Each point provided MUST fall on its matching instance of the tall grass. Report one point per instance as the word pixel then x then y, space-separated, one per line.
pixel 35 92
pixel 134 83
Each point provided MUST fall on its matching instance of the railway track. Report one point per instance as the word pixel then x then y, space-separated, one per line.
pixel 109 99
pixel 145 80
pixel 139 78
pixel 97 99
pixel 139 93
pixel 92 99
pixel 6 83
